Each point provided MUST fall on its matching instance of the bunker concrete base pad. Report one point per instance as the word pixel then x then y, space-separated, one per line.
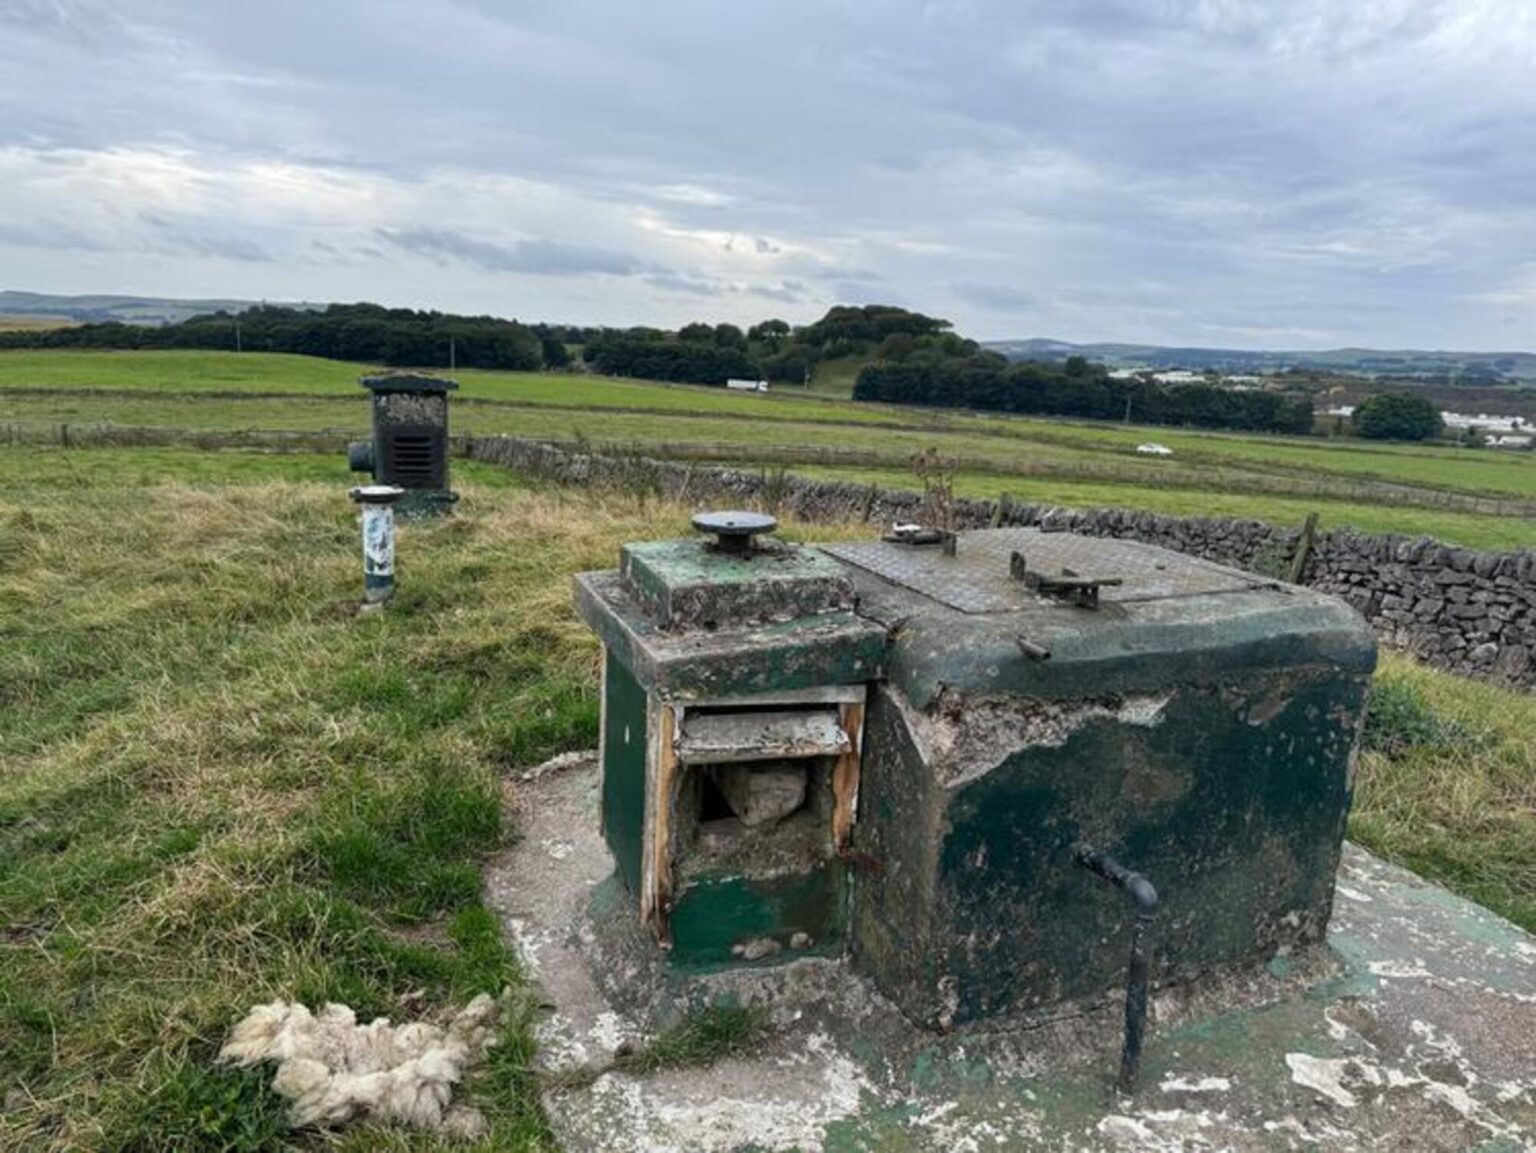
pixel 1414 1029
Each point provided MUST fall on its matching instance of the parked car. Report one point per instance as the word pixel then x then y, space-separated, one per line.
pixel 1151 449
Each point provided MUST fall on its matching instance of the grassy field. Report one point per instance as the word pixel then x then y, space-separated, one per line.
pixel 836 377
pixel 218 785
pixel 1472 531
pixel 222 372
pixel 1464 496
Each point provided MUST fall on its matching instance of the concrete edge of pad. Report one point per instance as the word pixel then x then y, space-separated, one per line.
pixel 1414 1028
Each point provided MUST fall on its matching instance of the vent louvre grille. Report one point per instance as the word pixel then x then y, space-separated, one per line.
pixel 413 460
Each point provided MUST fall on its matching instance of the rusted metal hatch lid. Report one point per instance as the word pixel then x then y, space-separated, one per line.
pixel 977 579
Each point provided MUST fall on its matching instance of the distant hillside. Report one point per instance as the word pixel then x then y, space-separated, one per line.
pixel 1474 368
pixel 125 309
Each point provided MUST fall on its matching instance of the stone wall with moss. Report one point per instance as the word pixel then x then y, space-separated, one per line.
pixel 1457 609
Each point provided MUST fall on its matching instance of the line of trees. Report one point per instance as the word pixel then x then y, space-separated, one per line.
pixel 666 358
pixel 366 332
pixel 1078 389
pixel 918 359
pixel 696 353
pixel 710 354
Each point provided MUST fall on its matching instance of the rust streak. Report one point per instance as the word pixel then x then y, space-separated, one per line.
pixel 845 776
pixel 656 897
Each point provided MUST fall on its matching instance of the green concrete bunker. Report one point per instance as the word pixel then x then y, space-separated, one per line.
pixel 910 805
pixel 901 757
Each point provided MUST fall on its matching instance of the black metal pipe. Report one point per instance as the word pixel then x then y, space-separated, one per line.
pixel 1144 901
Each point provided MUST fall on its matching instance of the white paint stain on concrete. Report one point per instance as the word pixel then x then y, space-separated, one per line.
pixel 1172 1084
pixel 557 848
pixel 1323 1075
pixel 1159 1130
pixel 1395 968
pixel 785 1104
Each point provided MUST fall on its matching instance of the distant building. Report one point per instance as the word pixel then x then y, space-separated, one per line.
pixel 1511 441
pixel 1483 421
pixel 747 385
pixel 1167 375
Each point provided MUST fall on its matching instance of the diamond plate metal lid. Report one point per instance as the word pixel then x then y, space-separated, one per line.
pixel 976 579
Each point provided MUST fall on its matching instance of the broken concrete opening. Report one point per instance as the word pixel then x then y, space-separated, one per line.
pixel 859 746
pixel 755 790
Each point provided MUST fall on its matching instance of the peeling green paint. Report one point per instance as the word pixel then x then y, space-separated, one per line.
pixel 624 745
pixel 978 909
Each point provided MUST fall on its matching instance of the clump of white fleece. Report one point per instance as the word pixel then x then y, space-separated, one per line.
pixel 331 1068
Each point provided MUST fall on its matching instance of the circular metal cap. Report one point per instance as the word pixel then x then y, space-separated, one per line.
pixel 734 530
pixel 376 493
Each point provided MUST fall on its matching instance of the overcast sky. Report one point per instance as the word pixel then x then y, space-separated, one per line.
pixel 1303 173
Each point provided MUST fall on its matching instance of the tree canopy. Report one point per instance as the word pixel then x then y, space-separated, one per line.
pixel 1396 416
pixel 985 381
pixel 366 332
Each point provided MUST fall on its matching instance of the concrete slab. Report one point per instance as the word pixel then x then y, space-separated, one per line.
pixel 1415 1029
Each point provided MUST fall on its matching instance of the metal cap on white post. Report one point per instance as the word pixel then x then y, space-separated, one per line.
pixel 378 516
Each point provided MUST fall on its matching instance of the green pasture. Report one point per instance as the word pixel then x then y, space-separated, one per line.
pixel 178 371
pixel 1464 496
pixel 1469 530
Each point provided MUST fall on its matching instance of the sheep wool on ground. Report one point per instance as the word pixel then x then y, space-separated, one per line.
pixel 333 1069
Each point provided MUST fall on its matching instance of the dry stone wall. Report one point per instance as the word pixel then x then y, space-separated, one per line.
pixel 1469 612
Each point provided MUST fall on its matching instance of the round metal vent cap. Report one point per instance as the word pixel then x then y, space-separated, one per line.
pixel 376 493
pixel 733 530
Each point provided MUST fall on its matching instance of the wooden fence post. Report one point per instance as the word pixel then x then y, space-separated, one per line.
pixel 1303 548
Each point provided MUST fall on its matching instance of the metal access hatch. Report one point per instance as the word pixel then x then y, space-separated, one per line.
pixel 982 576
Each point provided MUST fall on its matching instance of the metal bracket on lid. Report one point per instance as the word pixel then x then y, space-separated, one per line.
pixel 1066 585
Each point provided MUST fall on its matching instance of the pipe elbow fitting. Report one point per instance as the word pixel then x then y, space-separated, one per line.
pixel 1143 895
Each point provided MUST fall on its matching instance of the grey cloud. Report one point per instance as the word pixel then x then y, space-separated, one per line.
pixel 675 282
pixel 537 257
pixel 219 247
pixel 1001 297
pixel 782 293
pixel 89 25
pixel 162 238
pixel 48 234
